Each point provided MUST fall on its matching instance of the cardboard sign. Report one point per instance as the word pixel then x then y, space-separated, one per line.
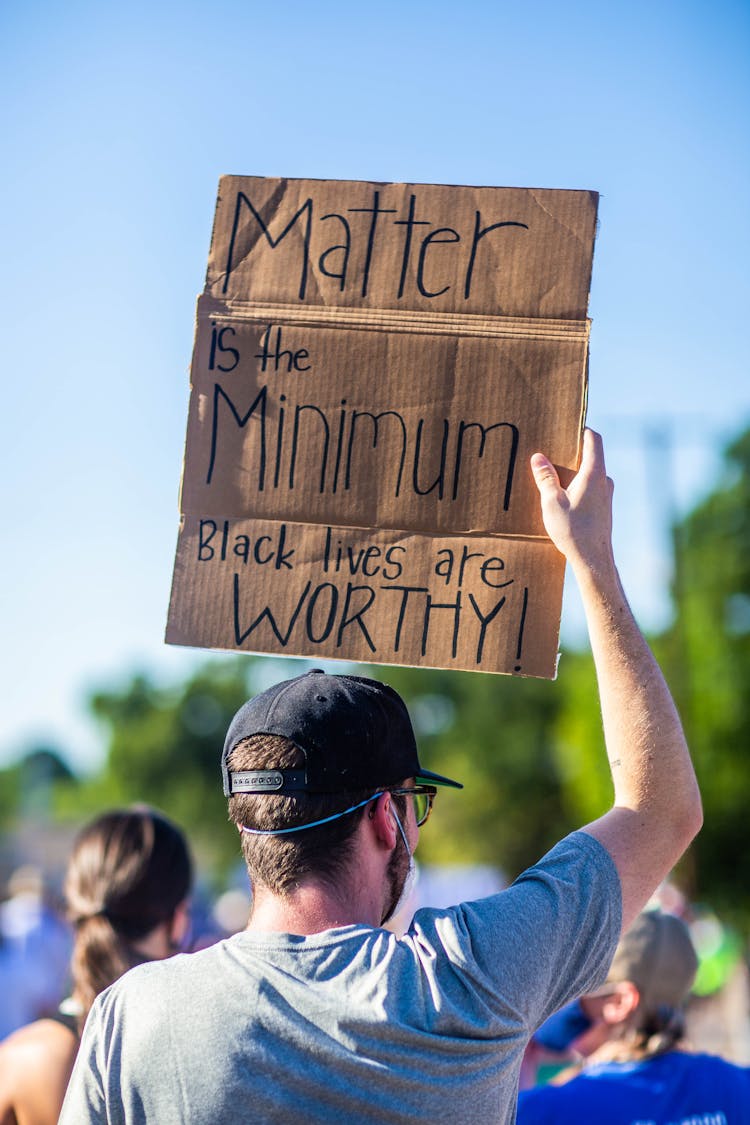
pixel 373 366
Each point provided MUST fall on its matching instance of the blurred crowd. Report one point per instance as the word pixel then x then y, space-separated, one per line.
pixel 36 941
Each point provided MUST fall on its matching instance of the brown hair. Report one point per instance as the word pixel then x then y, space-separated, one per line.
pixel 129 871
pixel 281 862
pixel 654 1032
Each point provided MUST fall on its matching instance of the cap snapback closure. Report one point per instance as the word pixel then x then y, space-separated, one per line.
pixel 268 781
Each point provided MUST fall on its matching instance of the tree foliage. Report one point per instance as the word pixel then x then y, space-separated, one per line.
pixel 164 747
pixel 494 734
pixel 707 654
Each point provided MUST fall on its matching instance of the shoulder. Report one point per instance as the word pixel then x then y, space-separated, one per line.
pixel 39 1042
pixel 573 884
pixel 575 890
pixel 576 857
pixel 572 893
pixel 35 1065
pixel 547 1105
pixel 714 1065
pixel 153 985
pixel 548 937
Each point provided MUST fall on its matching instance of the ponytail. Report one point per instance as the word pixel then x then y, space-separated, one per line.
pixel 129 871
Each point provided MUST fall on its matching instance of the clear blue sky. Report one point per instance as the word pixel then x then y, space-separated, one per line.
pixel 118 120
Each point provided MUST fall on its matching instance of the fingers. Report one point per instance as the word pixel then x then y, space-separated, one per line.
pixel 592 468
pixel 592 463
pixel 592 457
pixel 578 518
pixel 545 474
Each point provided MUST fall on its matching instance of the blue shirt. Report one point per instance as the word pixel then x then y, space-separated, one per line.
pixel 673 1089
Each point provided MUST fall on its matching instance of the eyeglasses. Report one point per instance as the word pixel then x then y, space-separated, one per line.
pixel 423 796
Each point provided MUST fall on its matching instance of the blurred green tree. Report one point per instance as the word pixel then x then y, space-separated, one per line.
pixel 27 787
pixel 707 656
pixel 496 735
pixel 10 795
pixel 163 747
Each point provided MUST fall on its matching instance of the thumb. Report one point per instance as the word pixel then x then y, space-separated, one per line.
pixel 544 472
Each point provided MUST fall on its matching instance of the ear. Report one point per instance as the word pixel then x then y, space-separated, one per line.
pixel 621 1003
pixel 380 817
pixel 179 925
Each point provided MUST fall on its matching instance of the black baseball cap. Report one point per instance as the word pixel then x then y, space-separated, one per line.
pixel 355 733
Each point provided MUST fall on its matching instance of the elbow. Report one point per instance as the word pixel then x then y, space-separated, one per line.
pixel 697 822
pixel 690 820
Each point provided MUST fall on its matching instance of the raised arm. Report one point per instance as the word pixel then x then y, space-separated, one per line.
pixel 657 807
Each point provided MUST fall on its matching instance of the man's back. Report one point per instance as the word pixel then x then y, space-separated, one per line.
pixel 355 1024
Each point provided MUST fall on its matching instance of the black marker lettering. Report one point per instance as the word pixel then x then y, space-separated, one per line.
pixel 478 236
pixel 204 540
pixel 484 620
pixel 329 618
pixel 375 419
pixel 427 241
pixel 429 608
pixel 355 618
pixel 375 210
pixel 298 411
pixel 262 560
pixel 440 478
pixel 409 223
pixel 266 613
pixel 293 359
pixel 344 248
pixel 217 344
pixel 521 626
pixel 405 592
pixel 248 238
pixel 463 427
pixel 241 420
pixel 397 565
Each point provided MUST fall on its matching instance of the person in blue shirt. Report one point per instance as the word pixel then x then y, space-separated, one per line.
pixel 637 1068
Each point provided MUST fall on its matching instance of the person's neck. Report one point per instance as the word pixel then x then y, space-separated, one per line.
pixel 632 1050
pixel 312 908
pixel 358 896
pixel 157 944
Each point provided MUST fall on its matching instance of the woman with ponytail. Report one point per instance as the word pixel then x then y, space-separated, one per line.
pixel 126 892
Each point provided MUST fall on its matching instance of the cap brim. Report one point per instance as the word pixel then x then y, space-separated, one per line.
pixel 427 777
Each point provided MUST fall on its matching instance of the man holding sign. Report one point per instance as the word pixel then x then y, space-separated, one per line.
pixel 315 1011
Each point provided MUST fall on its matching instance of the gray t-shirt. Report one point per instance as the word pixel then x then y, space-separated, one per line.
pixel 354 1024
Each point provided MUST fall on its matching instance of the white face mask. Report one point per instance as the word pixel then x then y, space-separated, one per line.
pixel 410 879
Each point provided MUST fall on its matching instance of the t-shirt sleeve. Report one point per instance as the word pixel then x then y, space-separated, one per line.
pixel 548 938
pixel 84 1099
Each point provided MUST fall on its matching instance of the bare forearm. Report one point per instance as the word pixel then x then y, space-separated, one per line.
pixel 644 738
pixel 657 804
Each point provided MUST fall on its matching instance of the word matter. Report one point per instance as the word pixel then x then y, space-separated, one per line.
pixel 364 233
